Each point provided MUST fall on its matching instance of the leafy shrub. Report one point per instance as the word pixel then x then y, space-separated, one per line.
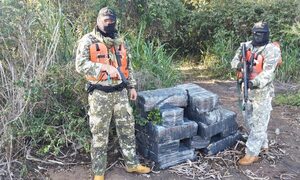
pixel 153 116
pixel 58 118
pixel 218 57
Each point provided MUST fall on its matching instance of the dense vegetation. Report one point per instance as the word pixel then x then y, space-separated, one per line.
pixel 42 100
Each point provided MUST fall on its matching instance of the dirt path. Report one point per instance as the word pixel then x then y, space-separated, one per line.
pixel 286 166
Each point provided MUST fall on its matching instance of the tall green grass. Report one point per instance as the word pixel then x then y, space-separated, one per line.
pixel 290 69
pixel 219 54
pixel 154 67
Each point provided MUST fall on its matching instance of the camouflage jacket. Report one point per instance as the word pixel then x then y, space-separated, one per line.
pixel 264 80
pixel 88 68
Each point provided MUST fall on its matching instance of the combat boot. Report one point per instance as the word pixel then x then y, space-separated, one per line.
pixel 138 169
pixel 247 160
pixel 99 178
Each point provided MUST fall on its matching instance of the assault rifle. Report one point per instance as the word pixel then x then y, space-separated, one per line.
pixel 243 76
pixel 123 78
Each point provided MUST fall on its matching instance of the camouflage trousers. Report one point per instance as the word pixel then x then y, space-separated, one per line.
pixel 105 107
pixel 257 120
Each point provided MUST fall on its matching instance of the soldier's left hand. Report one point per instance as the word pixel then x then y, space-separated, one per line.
pixel 133 94
pixel 240 66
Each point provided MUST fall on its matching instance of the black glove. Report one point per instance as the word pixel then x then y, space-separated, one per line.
pixel 250 85
pixel 239 66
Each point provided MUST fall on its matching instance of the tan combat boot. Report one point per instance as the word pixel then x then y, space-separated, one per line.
pixel 247 160
pixel 99 178
pixel 138 169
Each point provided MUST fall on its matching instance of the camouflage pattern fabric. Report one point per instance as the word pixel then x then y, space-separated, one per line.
pixel 260 98
pixel 105 107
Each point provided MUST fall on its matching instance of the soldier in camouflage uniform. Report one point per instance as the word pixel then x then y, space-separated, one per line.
pixel 261 91
pixel 108 105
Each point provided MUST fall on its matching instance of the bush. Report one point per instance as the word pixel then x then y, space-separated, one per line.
pixel 217 58
pixel 58 118
pixel 290 69
pixel 154 67
pixel 36 36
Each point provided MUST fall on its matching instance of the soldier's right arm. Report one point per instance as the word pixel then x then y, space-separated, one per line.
pixel 83 63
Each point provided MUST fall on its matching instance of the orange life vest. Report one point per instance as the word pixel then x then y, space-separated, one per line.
pixel 257 67
pixel 257 64
pixel 99 53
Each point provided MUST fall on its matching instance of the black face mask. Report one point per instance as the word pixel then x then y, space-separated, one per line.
pixel 260 38
pixel 109 30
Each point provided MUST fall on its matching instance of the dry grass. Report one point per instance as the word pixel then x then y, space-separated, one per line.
pixel 218 166
pixel 17 76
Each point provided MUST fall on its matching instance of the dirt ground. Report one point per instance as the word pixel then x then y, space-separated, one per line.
pixel 285 119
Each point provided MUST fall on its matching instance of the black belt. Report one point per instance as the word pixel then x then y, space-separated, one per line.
pixel 108 89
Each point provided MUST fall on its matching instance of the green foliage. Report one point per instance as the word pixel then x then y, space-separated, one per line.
pixel 58 118
pixel 239 16
pixel 154 67
pixel 292 99
pixel 198 4
pixel 290 69
pixel 38 43
pixel 154 116
pixel 199 27
pixel 140 121
pixel 160 20
pixel 217 58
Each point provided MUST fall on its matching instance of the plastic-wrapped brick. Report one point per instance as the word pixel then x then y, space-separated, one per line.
pixel 200 100
pixel 206 117
pixel 198 142
pixel 224 143
pixel 148 100
pixel 171 115
pixel 162 134
pixel 163 162
pixel 226 126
